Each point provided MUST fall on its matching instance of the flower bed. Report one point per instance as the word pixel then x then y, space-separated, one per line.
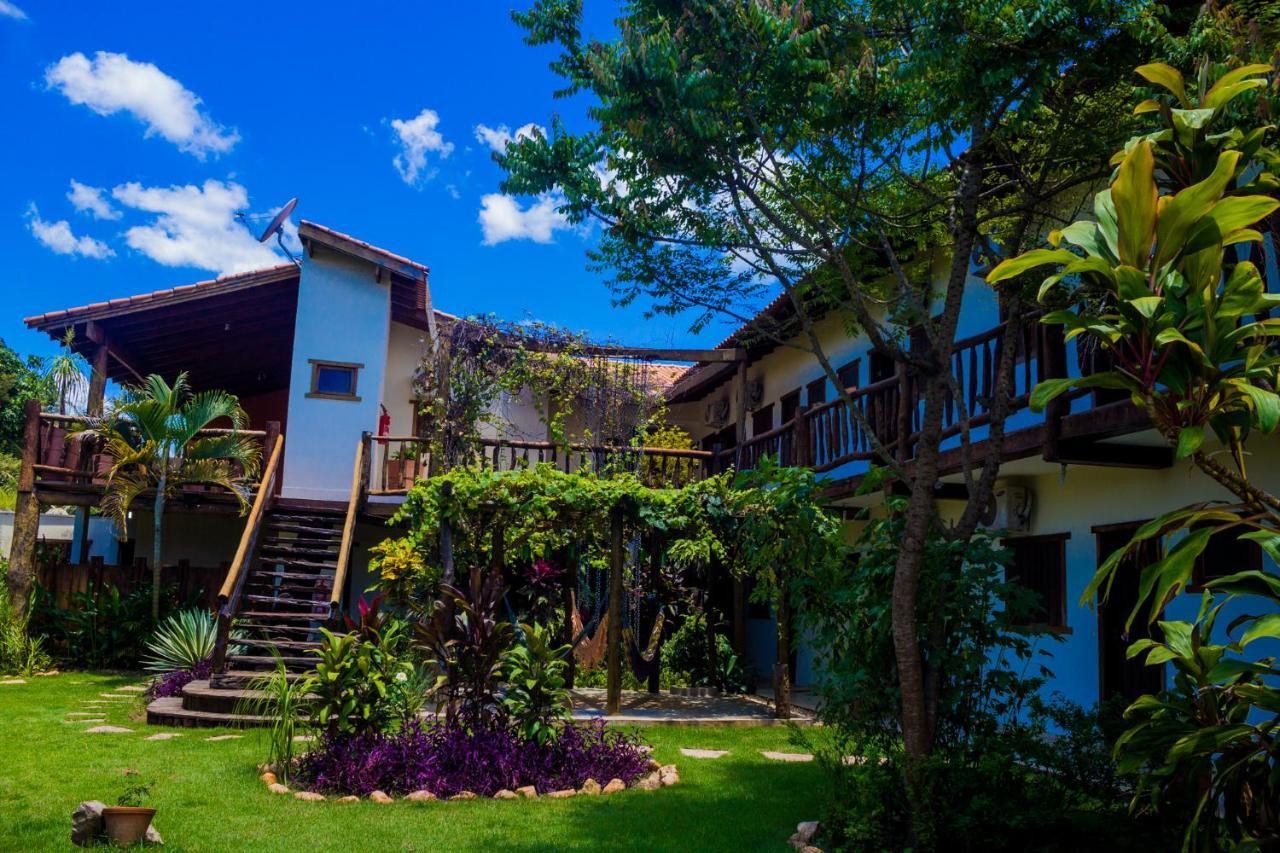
pixel 448 759
pixel 172 682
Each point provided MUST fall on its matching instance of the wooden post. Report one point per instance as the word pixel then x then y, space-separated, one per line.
pixel 656 543
pixel 1054 367
pixel 97 382
pixel 26 520
pixel 740 392
pixel 614 698
pixel 569 594
pixel 904 413
pixel 800 456
pixel 446 540
pixel 366 469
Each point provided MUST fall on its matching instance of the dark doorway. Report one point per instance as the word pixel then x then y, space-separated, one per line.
pixel 1119 675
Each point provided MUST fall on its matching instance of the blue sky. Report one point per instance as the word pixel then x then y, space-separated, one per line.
pixel 136 130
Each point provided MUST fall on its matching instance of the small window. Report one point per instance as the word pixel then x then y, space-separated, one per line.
pixel 790 405
pixel 1225 555
pixel 850 374
pixel 762 420
pixel 816 392
pixel 334 380
pixel 1040 566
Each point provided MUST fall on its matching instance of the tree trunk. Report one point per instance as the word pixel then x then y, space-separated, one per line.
pixel 157 548
pixel 26 520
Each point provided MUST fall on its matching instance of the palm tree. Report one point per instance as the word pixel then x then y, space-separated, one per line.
pixel 66 371
pixel 152 437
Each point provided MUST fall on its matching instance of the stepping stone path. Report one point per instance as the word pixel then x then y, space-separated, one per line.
pixel 131 688
pixel 115 696
pixel 80 721
pixel 703 753
pixel 81 714
pixel 224 737
pixel 14 681
pixel 787 756
pixel 303 738
pixel 163 736
pixel 108 730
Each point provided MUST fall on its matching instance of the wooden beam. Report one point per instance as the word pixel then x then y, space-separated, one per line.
pixel 1107 455
pixel 97 383
pixel 95 333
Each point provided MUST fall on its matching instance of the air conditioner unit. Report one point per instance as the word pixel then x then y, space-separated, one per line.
pixel 755 394
pixel 717 413
pixel 1010 509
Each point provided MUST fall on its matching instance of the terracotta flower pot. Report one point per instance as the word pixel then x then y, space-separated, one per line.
pixel 410 473
pixel 126 825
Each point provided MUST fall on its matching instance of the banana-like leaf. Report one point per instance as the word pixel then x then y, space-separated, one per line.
pixel 1225 88
pixel 1266 406
pixel 1266 625
pixel 1187 207
pixel 1011 267
pixel 1134 194
pixel 1189 440
pixel 1167 77
pixel 1168 574
pixel 1051 388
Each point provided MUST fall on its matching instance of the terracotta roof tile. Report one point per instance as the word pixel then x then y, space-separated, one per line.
pixel 324 229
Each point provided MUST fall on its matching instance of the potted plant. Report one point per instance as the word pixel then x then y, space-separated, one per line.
pixel 402 467
pixel 126 822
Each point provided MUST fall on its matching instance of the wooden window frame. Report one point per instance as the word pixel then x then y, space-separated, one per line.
pixel 853 367
pixel 760 411
pixel 1060 539
pixel 820 387
pixel 318 363
pixel 789 399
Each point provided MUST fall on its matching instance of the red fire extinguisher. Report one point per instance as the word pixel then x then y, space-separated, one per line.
pixel 384 422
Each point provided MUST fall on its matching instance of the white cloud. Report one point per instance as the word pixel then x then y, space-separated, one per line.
pixel 498 138
pixel 112 82
pixel 416 137
pixel 502 218
pixel 8 10
pixel 59 237
pixel 90 200
pixel 195 226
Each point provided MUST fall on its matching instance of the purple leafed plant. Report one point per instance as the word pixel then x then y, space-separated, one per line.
pixel 171 683
pixel 447 758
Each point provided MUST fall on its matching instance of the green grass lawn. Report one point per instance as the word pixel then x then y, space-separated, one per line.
pixel 209 796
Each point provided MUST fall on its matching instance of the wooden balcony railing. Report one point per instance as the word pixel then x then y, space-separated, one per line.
pixel 63 460
pixel 397 461
pixel 829 435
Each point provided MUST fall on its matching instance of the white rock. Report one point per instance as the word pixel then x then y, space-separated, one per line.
pixel 224 737
pixel 787 756
pixel 704 753
pixel 163 736
pixel 108 730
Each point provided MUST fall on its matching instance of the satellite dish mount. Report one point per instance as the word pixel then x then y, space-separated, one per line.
pixel 276 227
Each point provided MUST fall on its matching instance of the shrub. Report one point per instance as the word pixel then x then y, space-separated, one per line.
pixel 447 758
pixel 536 700
pixel 685 656
pixel 20 653
pixel 182 641
pixel 103 631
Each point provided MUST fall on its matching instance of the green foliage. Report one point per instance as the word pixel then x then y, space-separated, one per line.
pixel 21 379
pixel 103 631
pixel 360 677
pixel 283 699
pixel 134 794
pixel 686 660
pixel 536 699
pixel 1159 280
pixel 20 652
pixel 181 641
pixel 10 468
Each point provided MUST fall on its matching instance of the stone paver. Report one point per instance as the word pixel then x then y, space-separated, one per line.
pixel 304 738
pixel 703 753
pixel 82 713
pixel 224 737
pixel 84 721
pixel 108 730
pixel 114 696
pixel 14 681
pixel 131 688
pixel 787 756
pixel 163 736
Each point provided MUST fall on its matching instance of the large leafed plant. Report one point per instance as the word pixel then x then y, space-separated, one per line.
pixel 1168 277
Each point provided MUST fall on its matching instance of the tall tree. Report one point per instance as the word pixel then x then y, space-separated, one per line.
pixel 21 379
pixel 153 438
pixel 838 152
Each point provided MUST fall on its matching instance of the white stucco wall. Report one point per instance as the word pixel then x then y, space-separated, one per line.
pixel 344 314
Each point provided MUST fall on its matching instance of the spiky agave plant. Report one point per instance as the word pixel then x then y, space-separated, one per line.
pixel 183 640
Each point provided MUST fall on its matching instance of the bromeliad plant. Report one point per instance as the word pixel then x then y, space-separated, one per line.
pixel 1159 279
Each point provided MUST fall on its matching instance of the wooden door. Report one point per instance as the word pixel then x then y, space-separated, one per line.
pixel 1119 675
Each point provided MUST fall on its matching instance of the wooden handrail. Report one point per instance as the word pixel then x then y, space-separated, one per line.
pixel 80 419
pixel 229 595
pixel 531 444
pixel 348 531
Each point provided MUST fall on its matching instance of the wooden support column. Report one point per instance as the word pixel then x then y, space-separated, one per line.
pixel 740 394
pixel 97 382
pixel 1054 367
pixel 904 413
pixel 26 520
pixel 801 455
pixel 613 700
pixel 569 599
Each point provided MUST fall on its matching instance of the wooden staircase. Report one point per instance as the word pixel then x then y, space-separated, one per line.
pixel 283 585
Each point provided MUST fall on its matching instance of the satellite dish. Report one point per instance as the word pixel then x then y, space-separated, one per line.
pixel 276 227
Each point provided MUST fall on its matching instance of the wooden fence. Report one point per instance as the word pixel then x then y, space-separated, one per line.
pixel 62 582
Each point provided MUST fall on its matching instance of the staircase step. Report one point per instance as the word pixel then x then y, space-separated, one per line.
pixel 293 590
pixel 293 563
pixel 238 679
pixel 169 711
pixel 269 661
pixel 280 644
pixel 279 600
pixel 269 573
pixel 301 542
pixel 267 616
pixel 304 553
pixel 272 630
pixel 307 517
pixel 315 532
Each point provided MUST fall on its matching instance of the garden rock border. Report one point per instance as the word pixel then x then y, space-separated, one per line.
pixel 659 776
